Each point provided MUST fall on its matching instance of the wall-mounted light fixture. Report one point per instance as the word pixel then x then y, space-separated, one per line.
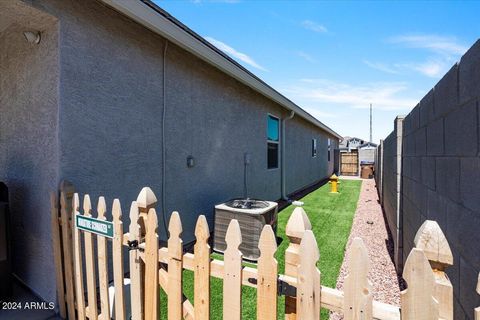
pixel 190 162
pixel 32 36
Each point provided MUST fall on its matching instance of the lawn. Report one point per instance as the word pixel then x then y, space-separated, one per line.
pixel 331 216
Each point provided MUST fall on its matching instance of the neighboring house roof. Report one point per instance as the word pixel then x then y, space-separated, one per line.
pixel 354 138
pixel 368 144
pixel 159 21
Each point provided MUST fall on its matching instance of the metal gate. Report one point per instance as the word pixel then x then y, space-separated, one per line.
pixel 349 163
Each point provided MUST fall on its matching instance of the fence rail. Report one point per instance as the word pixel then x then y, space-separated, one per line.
pixel 77 260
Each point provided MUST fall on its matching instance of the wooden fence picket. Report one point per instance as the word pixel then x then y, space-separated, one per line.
pixel 417 300
pixel 420 301
pixel 202 270
pixel 431 239
pixel 267 276
pixel 308 279
pixel 57 255
pixel 77 244
pixel 357 289
pixel 117 246
pixel 294 230
pixel 477 309
pixel 102 264
pixel 67 255
pixel 232 279
pixel 136 295
pixel 175 268
pixel 151 267
pixel 90 264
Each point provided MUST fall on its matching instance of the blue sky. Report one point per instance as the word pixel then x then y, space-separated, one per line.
pixel 335 58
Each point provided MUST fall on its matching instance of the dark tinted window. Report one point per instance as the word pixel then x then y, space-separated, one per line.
pixel 272 155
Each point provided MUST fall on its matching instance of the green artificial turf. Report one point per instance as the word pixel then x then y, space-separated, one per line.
pixel 331 216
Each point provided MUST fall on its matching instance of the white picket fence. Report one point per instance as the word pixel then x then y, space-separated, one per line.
pixel 429 293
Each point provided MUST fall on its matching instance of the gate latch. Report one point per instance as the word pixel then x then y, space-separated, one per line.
pixel 283 288
pixel 286 289
pixel 133 245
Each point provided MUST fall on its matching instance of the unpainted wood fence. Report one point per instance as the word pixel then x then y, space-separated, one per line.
pixel 428 296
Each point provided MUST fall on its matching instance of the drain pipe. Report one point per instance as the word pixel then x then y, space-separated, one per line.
pixel 284 188
pixel 164 156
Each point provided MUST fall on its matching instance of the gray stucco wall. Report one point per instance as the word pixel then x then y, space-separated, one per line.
pixel 28 141
pixel 441 173
pixel 111 120
pixel 301 168
pixel 110 124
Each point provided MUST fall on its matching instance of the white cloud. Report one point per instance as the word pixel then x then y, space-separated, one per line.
pixel 381 66
pixel 320 93
pixel 312 25
pixel 234 53
pixel 444 51
pixel 430 68
pixel 306 56
pixel 319 114
pixel 435 43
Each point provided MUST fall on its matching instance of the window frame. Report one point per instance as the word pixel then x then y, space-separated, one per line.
pixel 314 148
pixel 329 143
pixel 277 142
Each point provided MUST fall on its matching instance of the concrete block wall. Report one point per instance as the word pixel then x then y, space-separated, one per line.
pixel 391 186
pixel 440 178
pixel 378 170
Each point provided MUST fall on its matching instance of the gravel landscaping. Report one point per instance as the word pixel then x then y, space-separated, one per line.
pixel 382 273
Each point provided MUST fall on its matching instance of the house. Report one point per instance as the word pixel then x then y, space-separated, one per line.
pixel 350 143
pixel 366 153
pixel 353 153
pixel 114 95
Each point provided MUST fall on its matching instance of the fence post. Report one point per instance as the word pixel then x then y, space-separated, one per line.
pixel 151 268
pixel 136 265
pixel 297 224
pixel 145 201
pixel 432 241
pixel 477 309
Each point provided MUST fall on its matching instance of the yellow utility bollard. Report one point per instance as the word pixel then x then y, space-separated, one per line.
pixel 334 183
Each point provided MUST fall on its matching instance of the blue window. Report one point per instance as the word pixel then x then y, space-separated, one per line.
pixel 272 128
pixel 273 137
